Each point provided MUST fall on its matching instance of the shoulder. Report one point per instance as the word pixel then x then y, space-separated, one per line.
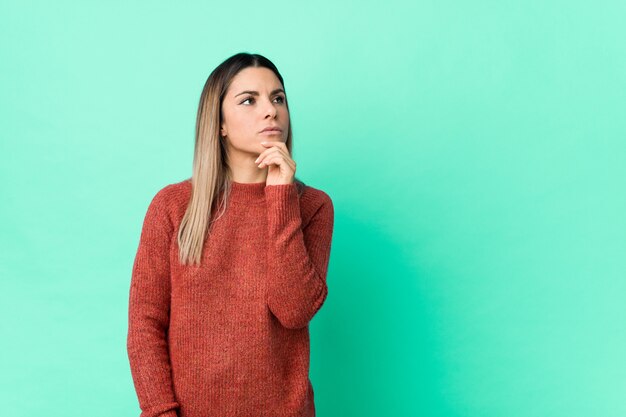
pixel 171 198
pixel 174 191
pixel 315 201
pixel 315 196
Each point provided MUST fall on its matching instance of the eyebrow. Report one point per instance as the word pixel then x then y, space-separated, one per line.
pixel 256 93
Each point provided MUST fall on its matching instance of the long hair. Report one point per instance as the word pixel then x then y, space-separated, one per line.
pixel 212 177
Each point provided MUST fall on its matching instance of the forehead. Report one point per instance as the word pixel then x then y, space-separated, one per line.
pixel 254 78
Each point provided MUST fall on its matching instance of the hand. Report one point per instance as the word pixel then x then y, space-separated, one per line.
pixel 276 158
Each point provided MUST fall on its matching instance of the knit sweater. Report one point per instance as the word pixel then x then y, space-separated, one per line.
pixel 229 337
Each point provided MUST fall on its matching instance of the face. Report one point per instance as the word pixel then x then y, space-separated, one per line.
pixel 254 100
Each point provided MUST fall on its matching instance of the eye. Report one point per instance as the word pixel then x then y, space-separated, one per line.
pixel 280 98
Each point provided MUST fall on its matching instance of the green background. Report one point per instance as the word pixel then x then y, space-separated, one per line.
pixel 474 151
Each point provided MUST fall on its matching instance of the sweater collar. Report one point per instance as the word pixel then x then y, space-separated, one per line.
pixel 247 192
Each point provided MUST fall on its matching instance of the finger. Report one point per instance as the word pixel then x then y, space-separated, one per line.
pixel 273 143
pixel 272 151
pixel 261 156
pixel 274 159
pixel 272 146
pixel 279 153
pixel 278 145
pixel 270 160
pixel 280 161
pixel 265 154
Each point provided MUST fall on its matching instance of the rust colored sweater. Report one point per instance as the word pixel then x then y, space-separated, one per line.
pixel 229 337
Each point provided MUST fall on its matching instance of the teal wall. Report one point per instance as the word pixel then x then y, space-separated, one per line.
pixel 475 153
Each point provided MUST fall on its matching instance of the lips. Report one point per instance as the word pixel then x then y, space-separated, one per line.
pixel 272 129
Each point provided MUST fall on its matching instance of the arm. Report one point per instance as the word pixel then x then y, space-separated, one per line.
pixel 148 316
pixel 297 257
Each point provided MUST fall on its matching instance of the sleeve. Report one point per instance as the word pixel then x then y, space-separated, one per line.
pixel 297 257
pixel 148 316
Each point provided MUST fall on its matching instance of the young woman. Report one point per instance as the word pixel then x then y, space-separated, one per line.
pixel 231 264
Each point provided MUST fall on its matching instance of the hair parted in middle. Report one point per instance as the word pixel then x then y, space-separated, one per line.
pixel 211 176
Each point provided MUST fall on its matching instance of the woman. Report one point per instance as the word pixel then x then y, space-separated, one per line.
pixel 231 264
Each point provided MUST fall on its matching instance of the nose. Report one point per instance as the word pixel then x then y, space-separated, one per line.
pixel 270 110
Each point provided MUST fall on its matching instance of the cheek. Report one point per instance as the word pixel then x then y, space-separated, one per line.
pixel 243 129
pixel 240 124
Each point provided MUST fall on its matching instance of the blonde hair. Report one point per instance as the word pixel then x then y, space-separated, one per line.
pixel 211 175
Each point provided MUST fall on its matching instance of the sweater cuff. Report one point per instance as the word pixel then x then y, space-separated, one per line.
pixel 162 410
pixel 283 202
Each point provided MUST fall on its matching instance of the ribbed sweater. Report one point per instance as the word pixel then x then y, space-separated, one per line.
pixel 229 337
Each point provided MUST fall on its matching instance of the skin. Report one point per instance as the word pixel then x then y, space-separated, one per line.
pixel 244 116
